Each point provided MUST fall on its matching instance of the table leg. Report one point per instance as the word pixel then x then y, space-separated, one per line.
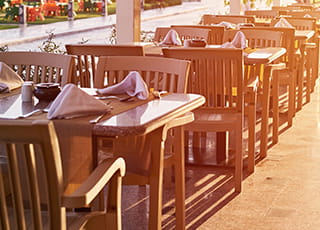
pixel 156 178
pixel 179 178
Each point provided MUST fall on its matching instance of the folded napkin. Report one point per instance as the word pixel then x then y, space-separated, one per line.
pixel 133 85
pixel 227 25
pixel 171 38
pixel 8 78
pixel 72 102
pixel 239 41
pixel 4 88
pixel 283 23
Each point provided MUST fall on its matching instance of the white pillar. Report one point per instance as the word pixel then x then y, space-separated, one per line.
pixel 276 2
pixel 235 7
pixel 128 21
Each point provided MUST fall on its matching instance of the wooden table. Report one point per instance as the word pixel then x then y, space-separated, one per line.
pixel 151 119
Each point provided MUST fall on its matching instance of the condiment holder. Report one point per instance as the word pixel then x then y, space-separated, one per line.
pixel 46 91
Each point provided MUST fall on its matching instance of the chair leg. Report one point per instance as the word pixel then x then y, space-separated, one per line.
pixel 238 158
pixel 275 107
pixel 291 102
pixel 252 134
pixel 301 78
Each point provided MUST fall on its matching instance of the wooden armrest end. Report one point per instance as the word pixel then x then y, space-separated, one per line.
pixel 182 120
pixel 252 85
pixel 95 183
pixel 278 66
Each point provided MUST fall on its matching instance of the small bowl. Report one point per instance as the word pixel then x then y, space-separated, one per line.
pixel 197 43
pixel 46 91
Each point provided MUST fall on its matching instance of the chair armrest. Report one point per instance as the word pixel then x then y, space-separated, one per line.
pixel 95 183
pixel 182 120
pixel 179 121
pixel 252 85
pixel 310 45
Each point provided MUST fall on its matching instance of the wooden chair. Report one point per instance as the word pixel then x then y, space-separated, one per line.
pixel 308 62
pixel 40 67
pixel 262 39
pixel 34 167
pixel 218 75
pixel 184 33
pixel 160 74
pixel 215 34
pixel 208 19
pixel 286 76
pixel 87 58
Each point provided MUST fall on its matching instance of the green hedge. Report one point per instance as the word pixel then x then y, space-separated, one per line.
pixel 153 4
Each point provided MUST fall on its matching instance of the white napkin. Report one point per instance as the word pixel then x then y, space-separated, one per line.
pixel 133 85
pixel 227 25
pixel 283 23
pixel 8 78
pixel 307 16
pixel 4 88
pixel 73 102
pixel 171 38
pixel 239 41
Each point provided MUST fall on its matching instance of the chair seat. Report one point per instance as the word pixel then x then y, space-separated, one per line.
pixel 214 119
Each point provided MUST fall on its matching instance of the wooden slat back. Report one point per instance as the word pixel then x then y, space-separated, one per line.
pixel 158 73
pixel 215 32
pixel 87 58
pixel 262 14
pixel 184 33
pixel 34 167
pixel 262 38
pixel 216 74
pixel 40 67
pixel 300 23
pixel 209 19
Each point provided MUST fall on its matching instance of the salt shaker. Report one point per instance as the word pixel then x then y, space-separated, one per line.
pixel 27 91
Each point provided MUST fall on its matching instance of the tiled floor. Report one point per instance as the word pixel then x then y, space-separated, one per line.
pixel 283 193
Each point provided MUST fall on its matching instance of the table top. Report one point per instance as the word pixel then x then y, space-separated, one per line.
pixel 149 116
pixel 264 55
pixel 255 56
pixel 128 118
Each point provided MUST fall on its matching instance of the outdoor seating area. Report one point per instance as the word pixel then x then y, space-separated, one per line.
pixel 209 126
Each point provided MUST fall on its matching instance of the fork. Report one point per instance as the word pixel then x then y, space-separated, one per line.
pixel 98 118
pixel 128 98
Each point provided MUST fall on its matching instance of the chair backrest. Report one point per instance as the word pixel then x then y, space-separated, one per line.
pixel 87 58
pixel 215 32
pixel 262 14
pixel 300 23
pixel 159 73
pixel 216 73
pixel 183 32
pixel 32 150
pixel 262 38
pixel 160 33
pixel 287 41
pixel 40 67
pixel 303 13
pixel 209 19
